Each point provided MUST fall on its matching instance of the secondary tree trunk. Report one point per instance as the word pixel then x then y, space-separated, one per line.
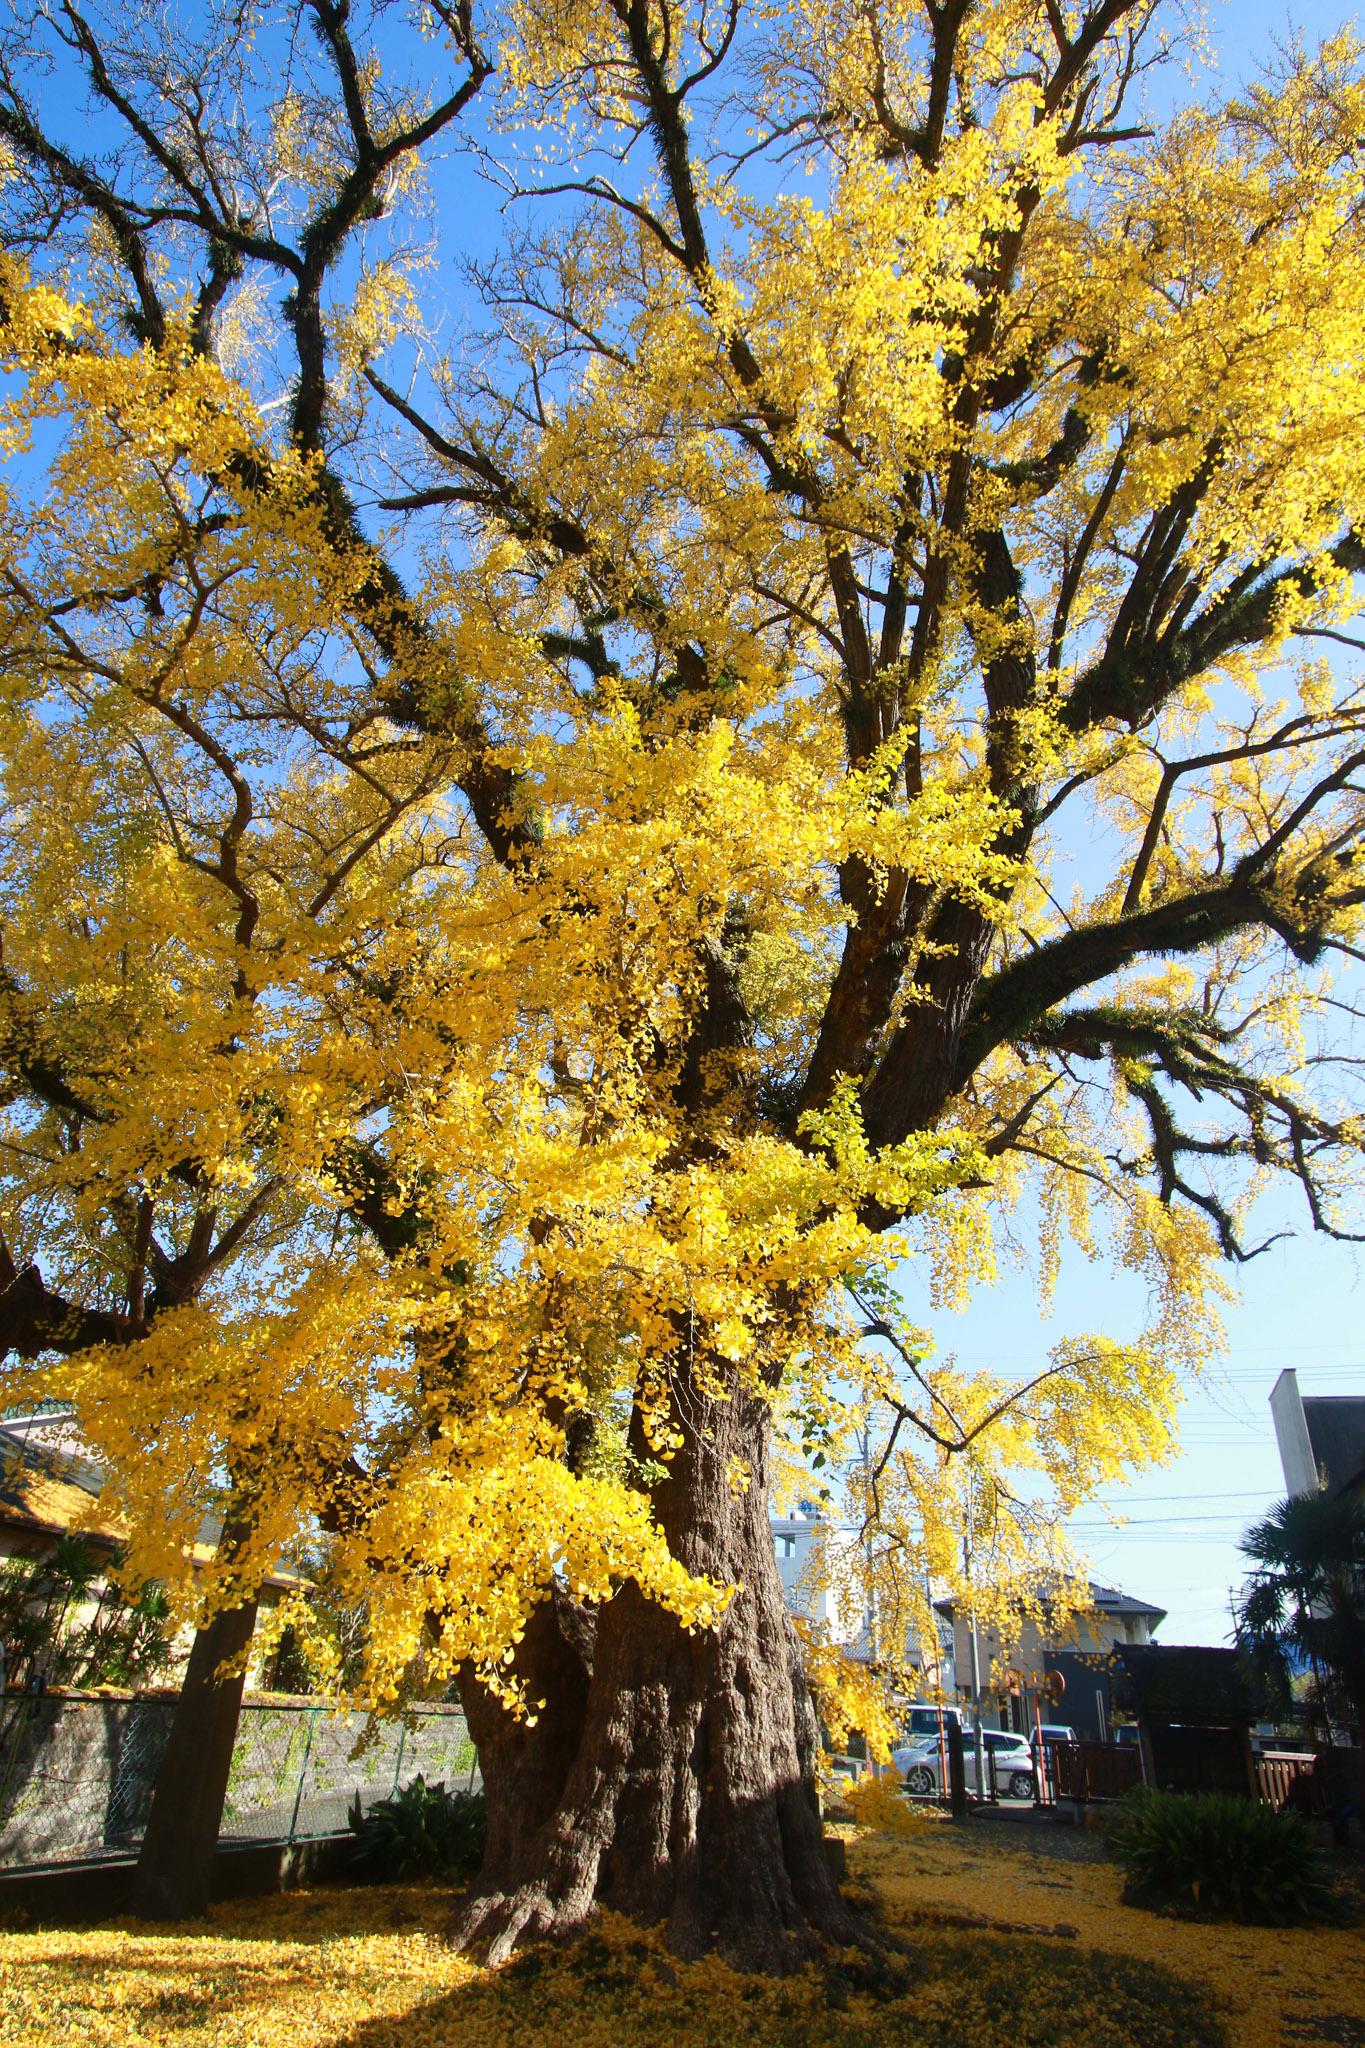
pixel 686 1791
pixel 175 1865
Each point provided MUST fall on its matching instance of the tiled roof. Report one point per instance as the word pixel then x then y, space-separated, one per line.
pixel 1111 1601
pixel 34 1496
pixel 48 1493
pixel 1105 1599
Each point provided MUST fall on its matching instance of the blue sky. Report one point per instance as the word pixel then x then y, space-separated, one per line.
pixel 1301 1303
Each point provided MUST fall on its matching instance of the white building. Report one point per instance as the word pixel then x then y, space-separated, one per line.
pixel 812 1559
pixel 815 1557
pixel 1321 1437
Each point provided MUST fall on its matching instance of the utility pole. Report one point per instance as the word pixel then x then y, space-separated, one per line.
pixel 976 1648
pixel 873 1633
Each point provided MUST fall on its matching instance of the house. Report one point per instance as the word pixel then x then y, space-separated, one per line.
pixel 48 1485
pixel 1321 1437
pixel 50 1489
pixel 1077 1649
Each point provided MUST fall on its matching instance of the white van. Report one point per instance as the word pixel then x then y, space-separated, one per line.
pixel 923 1720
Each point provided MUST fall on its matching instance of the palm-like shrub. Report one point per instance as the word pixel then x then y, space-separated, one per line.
pixel 58 1621
pixel 422 1831
pixel 1305 1599
pixel 1212 1853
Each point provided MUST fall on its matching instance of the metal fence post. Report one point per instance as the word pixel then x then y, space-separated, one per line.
pixel 398 1758
pixel 312 1713
pixel 16 1733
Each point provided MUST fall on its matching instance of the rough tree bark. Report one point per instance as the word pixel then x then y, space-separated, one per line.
pixel 174 1876
pixel 679 1788
pixel 525 1763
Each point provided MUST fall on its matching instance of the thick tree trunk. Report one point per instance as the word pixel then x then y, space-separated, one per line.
pixel 175 1865
pixel 525 1764
pixel 688 1797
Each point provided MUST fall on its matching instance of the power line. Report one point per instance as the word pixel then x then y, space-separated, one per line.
pixel 1228 1514
pixel 1354 1370
pixel 1244 1493
pixel 1188 1540
pixel 1167 1500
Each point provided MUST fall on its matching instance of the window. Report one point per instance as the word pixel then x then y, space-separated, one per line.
pixel 925 1720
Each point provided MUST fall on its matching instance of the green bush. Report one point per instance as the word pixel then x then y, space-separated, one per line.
pixel 1211 1853
pixel 422 1831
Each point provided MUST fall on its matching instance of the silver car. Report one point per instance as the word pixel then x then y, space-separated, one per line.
pixel 1009 1764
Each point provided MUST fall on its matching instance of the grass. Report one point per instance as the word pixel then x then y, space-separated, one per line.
pixel 1010 1946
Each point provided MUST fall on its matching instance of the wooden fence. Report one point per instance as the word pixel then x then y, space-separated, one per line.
pixel 1276 1773
pixel 1102 1770
pixel 1093 1770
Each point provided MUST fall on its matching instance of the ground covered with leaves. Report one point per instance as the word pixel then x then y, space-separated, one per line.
pixel 1267 1987
pixel 1011 1945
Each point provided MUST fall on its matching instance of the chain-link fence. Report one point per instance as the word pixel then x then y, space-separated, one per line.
pixel 76 1775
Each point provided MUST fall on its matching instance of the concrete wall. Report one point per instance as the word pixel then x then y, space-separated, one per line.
pixel 76 1773
pixel 86 1891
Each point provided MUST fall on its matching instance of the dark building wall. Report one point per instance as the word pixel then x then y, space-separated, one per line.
pixel 1336 1432
pixel 1087 1690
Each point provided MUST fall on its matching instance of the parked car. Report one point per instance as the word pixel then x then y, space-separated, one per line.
pixel 1009 1764
pixel 922 1720
pixel 1052 1731
pixel 926 1728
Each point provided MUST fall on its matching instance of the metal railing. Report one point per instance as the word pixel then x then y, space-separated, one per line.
pixel 77 1773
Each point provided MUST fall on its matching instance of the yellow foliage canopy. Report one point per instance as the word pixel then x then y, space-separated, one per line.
pixel 536 874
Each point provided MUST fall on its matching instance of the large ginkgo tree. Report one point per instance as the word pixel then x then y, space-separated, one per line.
pixel 656 655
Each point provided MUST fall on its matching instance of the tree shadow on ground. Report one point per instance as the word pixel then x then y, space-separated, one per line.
pixel 622 1991
pixel 368 1967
